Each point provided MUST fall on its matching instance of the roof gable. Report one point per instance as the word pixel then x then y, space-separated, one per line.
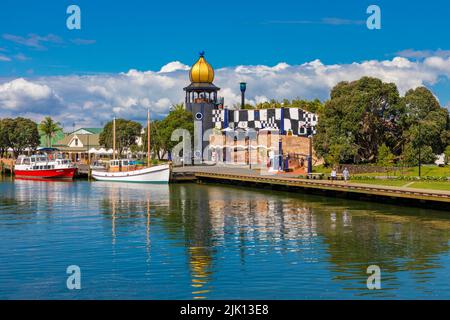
pixel 88 131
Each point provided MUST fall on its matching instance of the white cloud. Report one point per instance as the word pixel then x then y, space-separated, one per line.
pixel 174 66
pixel 33 40
pixel 82 42
pixel 94 99
pixel 4 58
pixel 419 54
pixel 325 21
pixel 21 95
pixel 439 64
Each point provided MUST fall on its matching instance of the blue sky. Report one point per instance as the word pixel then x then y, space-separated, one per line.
pixel 117 36
pixel 148 34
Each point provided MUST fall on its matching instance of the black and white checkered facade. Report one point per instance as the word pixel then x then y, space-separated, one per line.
pixel 283 119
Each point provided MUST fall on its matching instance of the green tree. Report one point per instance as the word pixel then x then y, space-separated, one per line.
pixel 22 133
pixel 315 106
pixel 49 128
pixel 341 150
pixel 156 140
pixel 410 155
pixel 447 154
pixel 4 135
pixel 127 134
pixel 269 104
pixel 385 157
pixel 161 130
pixel 425 123
pixel 364 114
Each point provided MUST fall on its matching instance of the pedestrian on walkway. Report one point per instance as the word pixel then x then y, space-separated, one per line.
pixel 346 174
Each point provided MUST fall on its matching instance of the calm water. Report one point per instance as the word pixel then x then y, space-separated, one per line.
pixel 192 241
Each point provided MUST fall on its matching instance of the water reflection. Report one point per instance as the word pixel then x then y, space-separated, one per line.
pixel 206 241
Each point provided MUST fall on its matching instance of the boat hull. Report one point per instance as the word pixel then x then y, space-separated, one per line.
pixel 65 173
pixel 156 174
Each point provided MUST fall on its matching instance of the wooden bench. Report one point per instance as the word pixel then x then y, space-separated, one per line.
pixel 339 176
pixel 317 176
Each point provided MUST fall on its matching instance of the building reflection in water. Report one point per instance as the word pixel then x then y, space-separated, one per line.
pixel 212 224
pixel 353 234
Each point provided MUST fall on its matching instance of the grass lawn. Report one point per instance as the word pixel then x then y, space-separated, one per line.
pixel 432 185
pixel 436 185
pixel 427 170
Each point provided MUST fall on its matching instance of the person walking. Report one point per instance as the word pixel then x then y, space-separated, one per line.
pixel 346 174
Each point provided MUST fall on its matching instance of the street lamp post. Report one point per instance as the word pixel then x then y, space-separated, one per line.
pixel 243 87
pixel 310 155
pixel 280 151
pixel 420 146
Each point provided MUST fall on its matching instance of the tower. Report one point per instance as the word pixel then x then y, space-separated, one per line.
pixel 201 99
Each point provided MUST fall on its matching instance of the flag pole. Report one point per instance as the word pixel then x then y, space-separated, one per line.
pixel 114 138
pixel 148 137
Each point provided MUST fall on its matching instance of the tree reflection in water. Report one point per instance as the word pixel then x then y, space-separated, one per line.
pixel 355 235
pixel 229 236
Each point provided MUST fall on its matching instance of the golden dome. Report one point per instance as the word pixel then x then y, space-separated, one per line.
pixel 201 71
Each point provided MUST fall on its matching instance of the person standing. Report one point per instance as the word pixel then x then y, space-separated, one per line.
pixel 346 174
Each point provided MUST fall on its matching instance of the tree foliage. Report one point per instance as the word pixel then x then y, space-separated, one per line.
pixel 127 134
pixel 49 128
pixel 425 126
pixel 161 130
pixel 308 105
pixel 385 157
pixel 364 115
pixel 19 134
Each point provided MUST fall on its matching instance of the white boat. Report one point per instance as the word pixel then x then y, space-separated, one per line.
pixel 122 171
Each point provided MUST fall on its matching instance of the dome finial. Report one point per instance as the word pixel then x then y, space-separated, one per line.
pixel 201 71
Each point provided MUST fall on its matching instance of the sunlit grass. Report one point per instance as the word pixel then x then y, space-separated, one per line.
pixel 435 185
pixel 426 170
pixel 431 185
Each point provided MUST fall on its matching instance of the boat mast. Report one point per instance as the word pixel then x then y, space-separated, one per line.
pixel 114 138
pixel 148 137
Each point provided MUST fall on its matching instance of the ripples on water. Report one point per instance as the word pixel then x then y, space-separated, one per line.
pixel 190 241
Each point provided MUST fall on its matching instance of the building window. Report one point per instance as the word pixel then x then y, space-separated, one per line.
pixel 76 142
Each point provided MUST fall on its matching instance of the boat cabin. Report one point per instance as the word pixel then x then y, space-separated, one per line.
pixel 121 165
pixel 43 162
pixel 32 160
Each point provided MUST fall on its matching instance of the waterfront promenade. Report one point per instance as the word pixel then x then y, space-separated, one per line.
pixel 437 199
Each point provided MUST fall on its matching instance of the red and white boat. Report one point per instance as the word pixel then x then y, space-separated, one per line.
pixel 43 167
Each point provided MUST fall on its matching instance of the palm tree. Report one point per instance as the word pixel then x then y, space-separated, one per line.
pixel 49 128
pixel 177 107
